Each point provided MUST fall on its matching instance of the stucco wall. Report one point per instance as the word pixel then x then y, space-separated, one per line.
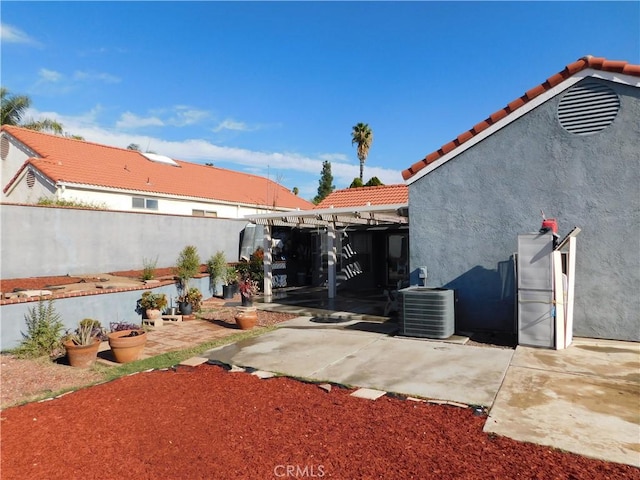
pixel 107 308
pixel 466 215
pixel 41 241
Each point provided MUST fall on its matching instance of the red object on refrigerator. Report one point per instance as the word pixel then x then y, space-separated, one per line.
pixel 550 224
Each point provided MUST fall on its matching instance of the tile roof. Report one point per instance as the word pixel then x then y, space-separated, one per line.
pixel 361 196
pixel 596 63
pixel 76 161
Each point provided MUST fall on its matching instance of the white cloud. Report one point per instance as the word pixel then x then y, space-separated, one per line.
pixel 47 75
pixel 95 76
pixel 231 125
pixel 131 120
pixel 11 34
pixel 298 170
pixel 185 115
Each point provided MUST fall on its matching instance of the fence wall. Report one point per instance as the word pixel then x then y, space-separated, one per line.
pixel 43 241
pixel 105 307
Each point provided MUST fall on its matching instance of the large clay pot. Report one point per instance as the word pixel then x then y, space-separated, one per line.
pixel 127 348
pixel 246 317
pixel 82 356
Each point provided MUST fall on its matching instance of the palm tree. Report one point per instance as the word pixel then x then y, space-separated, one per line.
pixel 362 135
pixel 13 109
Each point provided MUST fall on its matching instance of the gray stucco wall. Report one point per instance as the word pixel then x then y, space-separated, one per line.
pixel 42 241
pixel 465 217
pixel 106 307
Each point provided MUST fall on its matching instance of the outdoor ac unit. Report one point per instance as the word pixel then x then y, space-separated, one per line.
pixel 427 312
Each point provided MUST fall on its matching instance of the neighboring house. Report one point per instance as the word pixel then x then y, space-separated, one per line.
pixel 36 164
pixel 569 147
pixel 361 196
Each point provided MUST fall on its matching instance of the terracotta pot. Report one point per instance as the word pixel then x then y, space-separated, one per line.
pixel 127 349
pixel 153 314
pixel 246 317
pixel 82 356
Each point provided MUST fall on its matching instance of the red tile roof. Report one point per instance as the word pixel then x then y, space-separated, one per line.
pixel 597 63
pixel 75 161
pixel 361 196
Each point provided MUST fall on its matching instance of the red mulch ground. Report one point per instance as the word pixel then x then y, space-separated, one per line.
pixel 206 423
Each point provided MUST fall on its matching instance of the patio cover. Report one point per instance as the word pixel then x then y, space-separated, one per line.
pixel 329 219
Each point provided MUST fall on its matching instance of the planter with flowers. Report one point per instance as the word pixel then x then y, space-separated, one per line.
pixel 248 290
pixel 153 304
pixel 191 301
pixel 127 341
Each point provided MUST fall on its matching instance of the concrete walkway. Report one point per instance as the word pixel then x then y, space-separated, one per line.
pixel 585 399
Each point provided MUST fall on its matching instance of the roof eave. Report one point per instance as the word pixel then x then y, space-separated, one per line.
pixel 519 112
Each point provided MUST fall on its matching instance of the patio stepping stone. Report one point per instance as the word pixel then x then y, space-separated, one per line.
pixel 194 361
pixel 262 374
pixel 368 393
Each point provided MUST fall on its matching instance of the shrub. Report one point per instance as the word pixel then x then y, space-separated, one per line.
pixel 187 266
pixel 217 267
pixel 44 329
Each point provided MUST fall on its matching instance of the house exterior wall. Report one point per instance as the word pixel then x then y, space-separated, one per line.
pixel 43 241
pixel 466 215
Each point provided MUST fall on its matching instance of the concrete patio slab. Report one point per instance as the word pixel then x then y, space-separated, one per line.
pixel 459 373
pixel 584 399
pixel 362 355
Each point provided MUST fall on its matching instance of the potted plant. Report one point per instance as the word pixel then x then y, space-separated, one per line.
pixel 153 304
pixel 248 290
pixel 83 344
pixel 190 301
pixel 217 268
pixel 127 341
pixel 231 283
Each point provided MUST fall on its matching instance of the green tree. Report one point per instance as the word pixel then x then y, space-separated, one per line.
pixel 295 190
pixel 362 136
pixel 356 183
pixel 15 106
pixel 133 146
pixel 373 182
pixel 326 183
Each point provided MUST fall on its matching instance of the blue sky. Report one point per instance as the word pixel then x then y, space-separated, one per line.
pixel 274 88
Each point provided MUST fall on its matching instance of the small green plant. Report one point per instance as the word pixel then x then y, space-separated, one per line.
pixel 231 276
pixel 44 329
pixel 187 266
pixel 194 297
pixel 149 268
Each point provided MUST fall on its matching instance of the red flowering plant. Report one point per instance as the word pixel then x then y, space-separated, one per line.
pixel 248 287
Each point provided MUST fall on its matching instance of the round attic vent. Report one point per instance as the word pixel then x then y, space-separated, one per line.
pixel 588 107
pixel 31 179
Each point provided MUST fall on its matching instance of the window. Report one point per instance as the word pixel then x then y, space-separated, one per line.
pixel 31 179
pixel 144 203
pixel 203 213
